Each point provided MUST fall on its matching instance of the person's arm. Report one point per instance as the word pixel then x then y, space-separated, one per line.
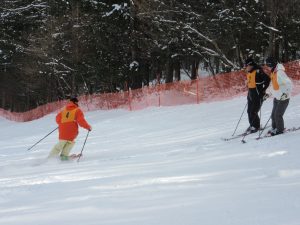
pixel 266 80
pixel 58 118
pixel 81 120
pixel 285 84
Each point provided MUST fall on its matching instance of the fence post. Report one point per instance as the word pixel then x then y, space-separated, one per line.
pixel 158 95
pixel 197 84
pixel 129 99
pixel 146 89
pixel 158 83
pixel 106 101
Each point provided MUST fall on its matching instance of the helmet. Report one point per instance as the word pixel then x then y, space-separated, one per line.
pixel 271 62
pixel 249 62
pixel 74 99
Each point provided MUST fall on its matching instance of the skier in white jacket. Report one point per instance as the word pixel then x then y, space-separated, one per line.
pixel 281 90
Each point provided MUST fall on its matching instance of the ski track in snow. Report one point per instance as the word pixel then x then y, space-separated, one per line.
pixel 162 166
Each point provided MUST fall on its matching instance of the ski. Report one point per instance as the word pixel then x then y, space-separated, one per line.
pixel 236 136
pixel 74 156
pixel 66 159
pixel 240 135
pixel 288 130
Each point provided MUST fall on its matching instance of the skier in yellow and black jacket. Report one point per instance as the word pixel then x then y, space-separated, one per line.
pixel 257 82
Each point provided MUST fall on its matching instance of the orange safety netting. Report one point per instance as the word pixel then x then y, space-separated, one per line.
pixel 204 89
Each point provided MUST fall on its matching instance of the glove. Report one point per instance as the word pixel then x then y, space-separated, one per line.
pixel 283 97
pixel 266 96
pixel 90 128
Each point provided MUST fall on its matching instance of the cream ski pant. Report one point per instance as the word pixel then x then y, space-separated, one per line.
pixel 62 148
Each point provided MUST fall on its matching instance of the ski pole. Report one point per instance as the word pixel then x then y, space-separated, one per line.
pixel 260 110
pixel 83 146
pixel 260 133
pixel 240 119
pixel 42 139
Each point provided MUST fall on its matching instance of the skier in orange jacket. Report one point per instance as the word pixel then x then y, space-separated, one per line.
pixel 68 120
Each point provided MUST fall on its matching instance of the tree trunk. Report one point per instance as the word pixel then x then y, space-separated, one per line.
pixel 217 65
pixel 147 70
pixel 177 70
pixel 3 99
pixel 273 4
pixel 169 75
pixel 195 66
pixel 136 76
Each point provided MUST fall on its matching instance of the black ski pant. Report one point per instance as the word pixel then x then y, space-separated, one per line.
pixel 254 105
pixel 279 107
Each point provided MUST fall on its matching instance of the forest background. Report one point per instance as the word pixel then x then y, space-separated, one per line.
pixel 51 49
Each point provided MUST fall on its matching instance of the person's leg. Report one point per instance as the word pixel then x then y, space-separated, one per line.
pixel 254 105
pixel 275 103
pixel 66 150
pixel 57 149
pixel 251 112
pixel 255 110
pixel 280 110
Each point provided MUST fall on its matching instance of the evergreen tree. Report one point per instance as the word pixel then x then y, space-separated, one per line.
pixel 51 49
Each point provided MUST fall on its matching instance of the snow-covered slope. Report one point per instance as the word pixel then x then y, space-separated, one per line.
pixel 159 166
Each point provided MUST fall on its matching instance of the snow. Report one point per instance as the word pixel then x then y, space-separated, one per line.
pixel 269 27
pixel 162 166
pixel 57 35
pixel 134 65
pixel 116 7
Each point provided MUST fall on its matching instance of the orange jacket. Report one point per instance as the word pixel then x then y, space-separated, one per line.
pixel 68 120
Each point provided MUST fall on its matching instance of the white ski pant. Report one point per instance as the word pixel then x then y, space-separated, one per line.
pixel 62 148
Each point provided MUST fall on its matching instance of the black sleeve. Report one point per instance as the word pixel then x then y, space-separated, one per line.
pixel 265 79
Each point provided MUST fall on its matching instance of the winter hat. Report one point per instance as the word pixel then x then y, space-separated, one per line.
pixel 271 62
pixel 249 62
pixel 74 99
